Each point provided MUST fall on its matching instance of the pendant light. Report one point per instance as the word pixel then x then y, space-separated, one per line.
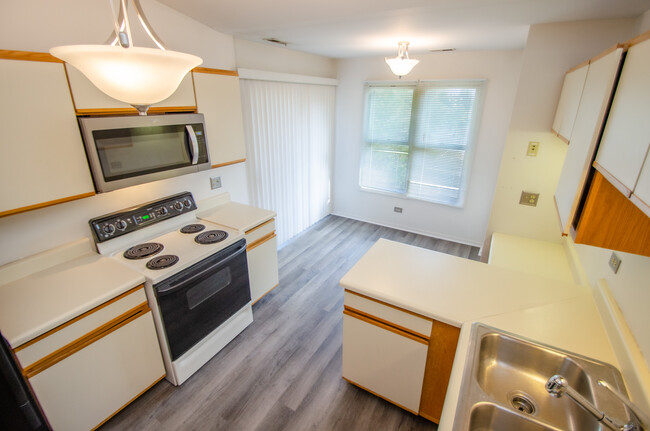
pixel 402 64
pixel 134 75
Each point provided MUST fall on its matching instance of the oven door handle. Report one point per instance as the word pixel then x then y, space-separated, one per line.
pixel 194 148
pixel 172 287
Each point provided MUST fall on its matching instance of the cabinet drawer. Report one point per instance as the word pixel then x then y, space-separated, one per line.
pixel 385 362
pixel 83 325
pixel 388 314
pixel 259 233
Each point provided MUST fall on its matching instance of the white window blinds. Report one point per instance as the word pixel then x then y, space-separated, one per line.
pixel 418 138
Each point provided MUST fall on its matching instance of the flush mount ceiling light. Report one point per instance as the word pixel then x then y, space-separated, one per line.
pixel 134 75
pixel 402 64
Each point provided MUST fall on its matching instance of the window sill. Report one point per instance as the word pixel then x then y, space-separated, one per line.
pixel 457 204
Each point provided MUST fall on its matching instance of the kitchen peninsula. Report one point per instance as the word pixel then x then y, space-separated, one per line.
pixel 395 289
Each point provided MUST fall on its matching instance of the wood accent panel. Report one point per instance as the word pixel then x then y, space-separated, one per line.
pixel 385 322
pixel 154 110
pixel 378 395
pixel 215 71
pixel 390 305
pixel 610 178
pixel 131 400
pixel 610 220
pixel 259 226
pixel 7 54
pixel 440 359
pixel 233 162
pixel 45 204
pixel 260 241
pixel 91 337
pixel 389 327
pixel 78 318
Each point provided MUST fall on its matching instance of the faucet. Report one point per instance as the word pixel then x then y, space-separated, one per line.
pixel 558 386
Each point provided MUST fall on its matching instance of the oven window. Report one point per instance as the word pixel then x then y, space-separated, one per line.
pixel 125 153
pixel 207 288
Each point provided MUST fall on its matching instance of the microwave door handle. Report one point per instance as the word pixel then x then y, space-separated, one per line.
pixel 194 148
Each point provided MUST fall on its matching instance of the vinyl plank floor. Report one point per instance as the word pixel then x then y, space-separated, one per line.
pixel 284 371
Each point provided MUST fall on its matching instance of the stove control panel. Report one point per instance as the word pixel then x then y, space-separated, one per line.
pixel 119 223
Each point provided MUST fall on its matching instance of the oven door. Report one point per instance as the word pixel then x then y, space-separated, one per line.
pixel 199 299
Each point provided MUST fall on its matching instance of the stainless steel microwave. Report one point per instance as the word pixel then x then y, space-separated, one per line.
pixel 126 151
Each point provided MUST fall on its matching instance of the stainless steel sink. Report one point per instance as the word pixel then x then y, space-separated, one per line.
pixel 503 386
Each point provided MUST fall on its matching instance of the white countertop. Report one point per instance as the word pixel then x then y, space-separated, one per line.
pixel 459 292
pixel 32 304
pixel 232 214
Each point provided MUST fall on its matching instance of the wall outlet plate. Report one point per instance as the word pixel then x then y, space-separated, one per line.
pixel 397 209
pixel 533 147
pixel 215 182
pixel 529 199
pixel 614 262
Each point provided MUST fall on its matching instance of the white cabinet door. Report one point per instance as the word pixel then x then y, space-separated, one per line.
pixel 218 99
pixel 89 98
pixel 263 268
pixel 42 160
pixel 567 106
pixel 385 362
pixel 626 138
pixel 598 87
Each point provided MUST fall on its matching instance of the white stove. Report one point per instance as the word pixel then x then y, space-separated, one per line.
pixel 196 271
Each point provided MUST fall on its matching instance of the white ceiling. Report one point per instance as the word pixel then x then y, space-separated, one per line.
pixel 352 28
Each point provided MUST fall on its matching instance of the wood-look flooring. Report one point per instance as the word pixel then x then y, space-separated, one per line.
pixel 284 371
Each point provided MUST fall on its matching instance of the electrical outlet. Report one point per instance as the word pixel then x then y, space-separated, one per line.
pixel 614 262
pixel 397 209
pixel 529 199
pixel 533 147
pixel 215 182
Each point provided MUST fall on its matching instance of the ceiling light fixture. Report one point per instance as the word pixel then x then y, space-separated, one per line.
pixel 402 64
pixel 134 75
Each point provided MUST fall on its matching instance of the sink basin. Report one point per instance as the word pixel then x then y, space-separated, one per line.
pixel 503 385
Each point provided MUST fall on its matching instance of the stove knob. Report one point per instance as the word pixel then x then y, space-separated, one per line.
pixel 162 211
pixel 120 224
pixel 187 203
pixel 109 229
pixel 179 206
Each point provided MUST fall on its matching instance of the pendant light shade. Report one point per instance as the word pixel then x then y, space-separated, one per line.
pixel 134 75
pixel 402 64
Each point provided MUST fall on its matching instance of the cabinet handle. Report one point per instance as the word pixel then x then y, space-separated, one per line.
pixel 385 326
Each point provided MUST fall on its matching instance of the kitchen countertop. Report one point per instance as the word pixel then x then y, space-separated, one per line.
pixel 41 292
pixel 232 214
pixel 460 292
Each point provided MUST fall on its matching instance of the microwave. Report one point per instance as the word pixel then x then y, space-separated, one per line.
pixel 126 151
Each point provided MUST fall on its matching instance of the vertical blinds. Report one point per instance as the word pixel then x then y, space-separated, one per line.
pixel 289 132
pixel 418 138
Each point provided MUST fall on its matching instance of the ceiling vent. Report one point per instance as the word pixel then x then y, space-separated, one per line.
pixel 274 40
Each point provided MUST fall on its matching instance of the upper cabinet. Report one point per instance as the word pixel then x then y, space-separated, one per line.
pixel 567 107
pixel 43 160
pixel 591 112
pixel 89 100
pixel 218 99
pixel 626 139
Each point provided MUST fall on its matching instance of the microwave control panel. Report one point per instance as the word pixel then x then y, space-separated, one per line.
pixel 119 223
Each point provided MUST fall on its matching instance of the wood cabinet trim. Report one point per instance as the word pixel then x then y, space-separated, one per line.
pixel 265 293
pixel 643 206
pixel 613 180
pixel 233 162
pixel 390 305
pixel 386 322
pixel 45 204
pixel 78 318
pixel 260 241
pixel 380 324
pixel 440 360
pixel 380 396
pixel 636 40
pixel 88 339
pixel 607 52
pixel 97 112
pixel 259 226
pixel 215 71
pixel 580 66
pixel 7 54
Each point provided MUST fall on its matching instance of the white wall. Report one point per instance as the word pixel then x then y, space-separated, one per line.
pixel 551 50
pixel 262 56
pixel 39 24
pixel 466 225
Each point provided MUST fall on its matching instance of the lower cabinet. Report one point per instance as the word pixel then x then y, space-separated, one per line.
pixel 400 356
pixel 262 255
pixel 85 371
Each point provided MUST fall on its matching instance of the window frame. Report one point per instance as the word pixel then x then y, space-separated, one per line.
pixel 419 87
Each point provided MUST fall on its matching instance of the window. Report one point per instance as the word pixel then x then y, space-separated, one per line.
pixel 418 138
